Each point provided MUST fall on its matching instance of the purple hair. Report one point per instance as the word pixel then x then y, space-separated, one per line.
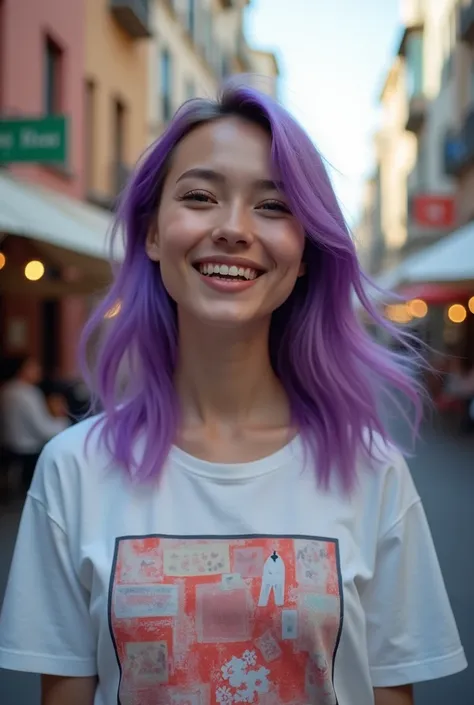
pixel 338 380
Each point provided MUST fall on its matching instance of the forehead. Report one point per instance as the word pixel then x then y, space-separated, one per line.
pixel 226 144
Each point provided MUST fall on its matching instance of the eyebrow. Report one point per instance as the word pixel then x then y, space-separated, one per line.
pixel 216 177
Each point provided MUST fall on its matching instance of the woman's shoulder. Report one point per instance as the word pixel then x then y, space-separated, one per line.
pixel 72 443
pixel 70 459
pixel 386 483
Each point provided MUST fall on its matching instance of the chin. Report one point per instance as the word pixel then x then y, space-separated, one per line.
pixel 227 318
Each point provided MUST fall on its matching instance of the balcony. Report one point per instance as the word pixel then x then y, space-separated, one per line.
pixel 466 23
pixel 416 113
pixel 132 16
pixel 459 148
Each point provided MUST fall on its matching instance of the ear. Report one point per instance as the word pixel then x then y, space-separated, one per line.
pixel 152 246
pixel 302 269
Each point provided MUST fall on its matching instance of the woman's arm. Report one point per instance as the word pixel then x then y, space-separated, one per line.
pixel 57 690
pixel 402 695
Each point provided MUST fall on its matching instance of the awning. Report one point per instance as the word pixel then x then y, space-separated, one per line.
pixel 449 261
pixel 435 293
pixel 41 214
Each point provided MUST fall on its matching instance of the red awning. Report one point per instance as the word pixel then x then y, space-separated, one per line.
pixel 435 293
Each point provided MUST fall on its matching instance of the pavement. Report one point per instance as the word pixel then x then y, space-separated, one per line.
pixel 443 470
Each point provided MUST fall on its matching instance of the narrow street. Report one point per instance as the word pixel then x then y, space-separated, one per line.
pixel 444 473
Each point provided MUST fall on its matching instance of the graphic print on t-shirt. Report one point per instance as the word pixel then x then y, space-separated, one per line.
pixel 218 621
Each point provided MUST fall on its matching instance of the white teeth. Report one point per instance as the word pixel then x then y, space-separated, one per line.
pixel 225 271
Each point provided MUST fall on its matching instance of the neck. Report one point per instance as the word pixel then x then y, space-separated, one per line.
pixel 225 376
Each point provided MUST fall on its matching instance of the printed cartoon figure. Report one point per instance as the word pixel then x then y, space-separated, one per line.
pixel 273 579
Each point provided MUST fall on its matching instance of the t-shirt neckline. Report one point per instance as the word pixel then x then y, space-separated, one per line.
pixel 232 472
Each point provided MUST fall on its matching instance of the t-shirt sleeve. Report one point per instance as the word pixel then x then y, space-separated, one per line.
pixel 411 632
pixel 45 626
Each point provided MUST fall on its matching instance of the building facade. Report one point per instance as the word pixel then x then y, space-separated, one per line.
pixel 114 71
pixel 41 71
pixel 459 139
pixel 115 85
pixel 41 67
pixel 423 154
pixel 196 45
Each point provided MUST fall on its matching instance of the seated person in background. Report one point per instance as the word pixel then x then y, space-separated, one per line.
pixel 26 421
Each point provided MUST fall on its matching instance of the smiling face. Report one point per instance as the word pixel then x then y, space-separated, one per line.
pixel 229 248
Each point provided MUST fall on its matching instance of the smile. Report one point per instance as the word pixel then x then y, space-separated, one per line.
pixel 224 271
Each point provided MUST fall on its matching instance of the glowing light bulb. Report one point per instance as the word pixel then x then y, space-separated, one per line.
pixel 34 270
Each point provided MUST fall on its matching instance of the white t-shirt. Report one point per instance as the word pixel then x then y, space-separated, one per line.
pixel 225 583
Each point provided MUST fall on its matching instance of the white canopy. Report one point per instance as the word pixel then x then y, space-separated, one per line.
pixel 35 212
pixel 449 260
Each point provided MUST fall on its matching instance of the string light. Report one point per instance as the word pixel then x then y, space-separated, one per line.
pixel 418 308
pixel 457 313
pixel 34 270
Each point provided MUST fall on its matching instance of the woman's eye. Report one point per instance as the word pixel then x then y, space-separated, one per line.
pixel 277 206
pixel 198 196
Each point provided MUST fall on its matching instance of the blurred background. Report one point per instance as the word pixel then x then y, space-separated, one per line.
pixel 385 89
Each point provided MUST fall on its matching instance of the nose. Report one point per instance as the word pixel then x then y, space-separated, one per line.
pixel 235 228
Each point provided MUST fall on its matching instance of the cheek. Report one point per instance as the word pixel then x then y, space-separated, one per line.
pixel 287 247
pixel 177 235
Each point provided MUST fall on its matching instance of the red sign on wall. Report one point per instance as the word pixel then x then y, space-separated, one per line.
pixel 430 211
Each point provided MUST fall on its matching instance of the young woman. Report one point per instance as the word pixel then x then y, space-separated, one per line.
pixel 236 527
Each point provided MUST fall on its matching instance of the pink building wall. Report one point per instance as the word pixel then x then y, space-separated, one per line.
pixel 25 25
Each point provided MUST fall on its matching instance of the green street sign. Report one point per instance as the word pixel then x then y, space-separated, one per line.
pixel 34 140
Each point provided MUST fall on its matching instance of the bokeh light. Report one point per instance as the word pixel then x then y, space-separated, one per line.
pixel 34 270
pixel 418 308
pixel 398 313
pixel 114 310
pixel 457 313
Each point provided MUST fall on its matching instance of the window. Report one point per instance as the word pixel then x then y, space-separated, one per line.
pixel 119 169
pixel 119 131
pixel 166 85
pixel 89 125
pixel 52 77
pixel 190 89
pixel 414 63
pixel 226 65
pixel 2 48
pixel 422 165
pixel 471 78
pixel 191 17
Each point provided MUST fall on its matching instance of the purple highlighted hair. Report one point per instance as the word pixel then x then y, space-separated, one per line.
pixel 339 381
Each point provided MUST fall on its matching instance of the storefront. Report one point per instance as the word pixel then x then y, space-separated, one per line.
pixel 54 258
pixel 437 291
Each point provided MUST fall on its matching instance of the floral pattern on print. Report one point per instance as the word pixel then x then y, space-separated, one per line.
pixel 234 672
pixel 224 695
pixel 249 657
pixel 246 682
